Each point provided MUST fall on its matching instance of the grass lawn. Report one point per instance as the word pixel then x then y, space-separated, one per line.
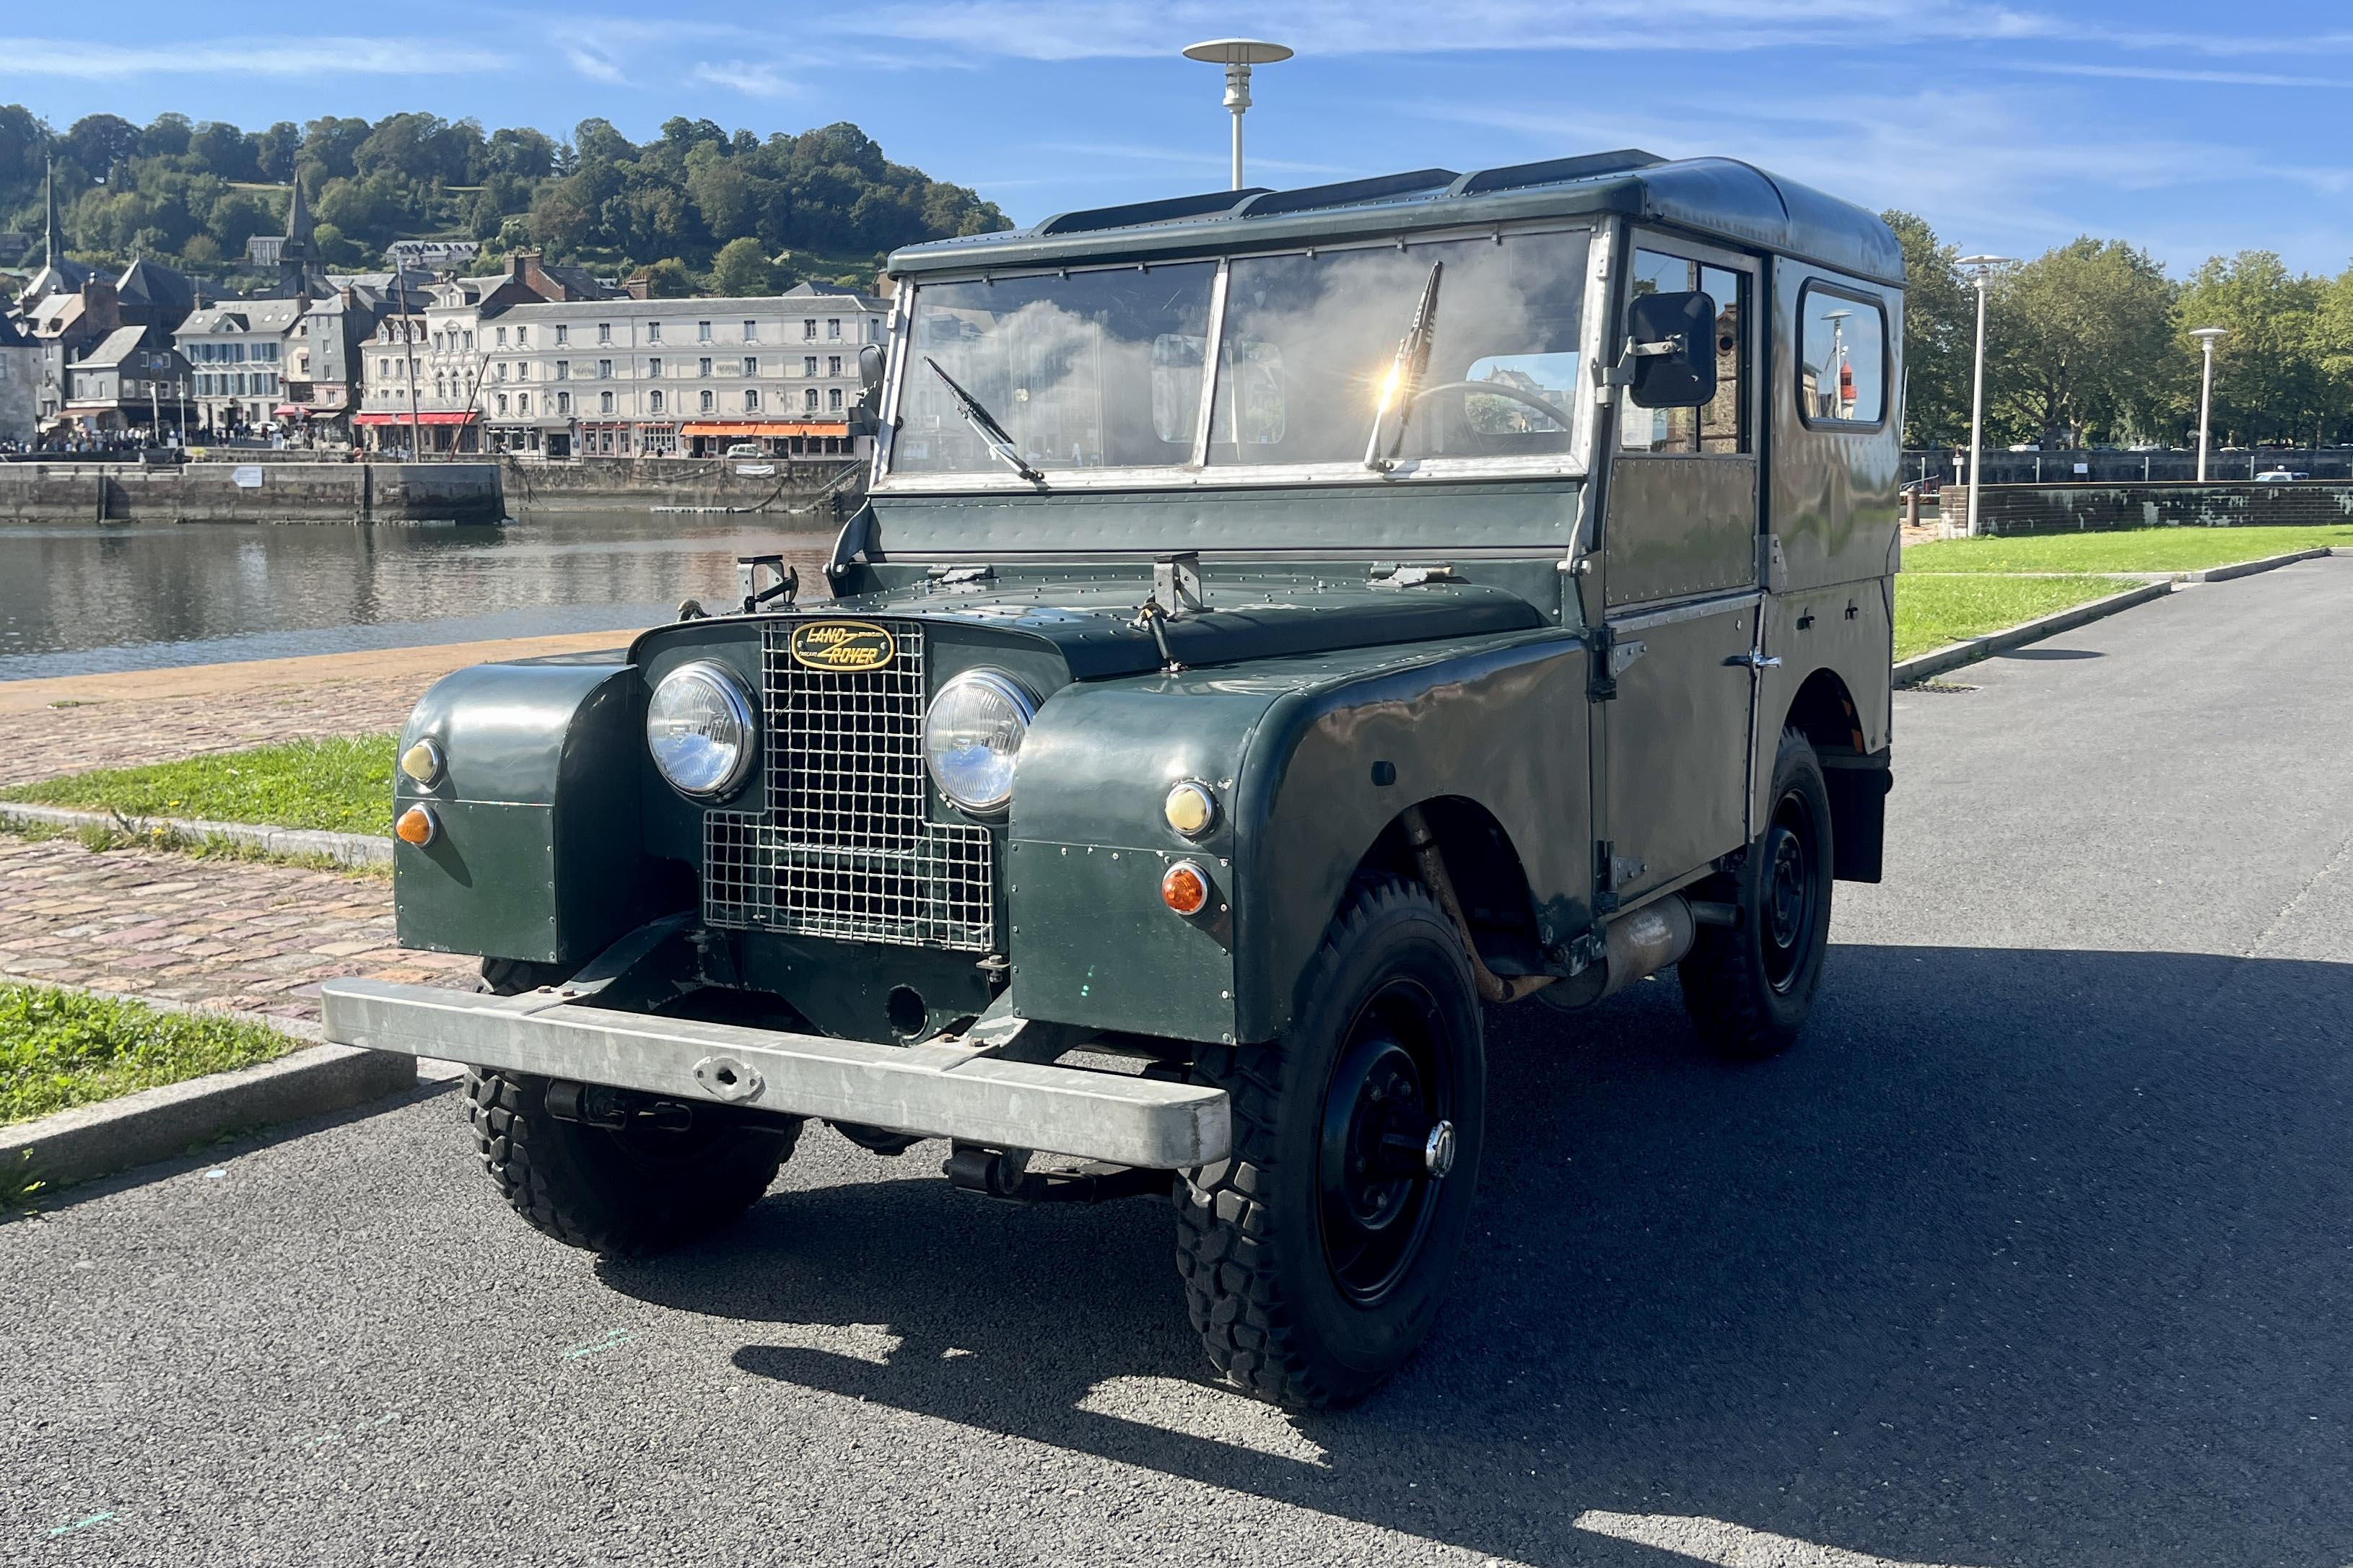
pixel 2132 549
pixel 62 1049
pixel 1931 611
pixel 343 785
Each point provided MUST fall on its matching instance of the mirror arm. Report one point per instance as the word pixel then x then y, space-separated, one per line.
pixel 1623 372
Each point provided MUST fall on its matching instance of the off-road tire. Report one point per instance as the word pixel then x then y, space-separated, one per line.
pixel 1747 992
pixel 621 1193
pixel 1267 1302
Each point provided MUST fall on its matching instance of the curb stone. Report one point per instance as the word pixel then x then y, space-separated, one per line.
pixel 345 848
pixel 2249 568
pixel 1954 654
pixel 160 1123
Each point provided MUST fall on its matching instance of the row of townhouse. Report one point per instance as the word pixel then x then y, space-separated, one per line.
pixel 496 364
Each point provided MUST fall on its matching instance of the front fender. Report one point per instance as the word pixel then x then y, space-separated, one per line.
pixel 536 853
pixel 1289 746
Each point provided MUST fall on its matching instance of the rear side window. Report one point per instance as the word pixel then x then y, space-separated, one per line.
pixel 1842 359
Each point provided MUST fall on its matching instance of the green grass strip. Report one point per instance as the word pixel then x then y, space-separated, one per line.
pixel 343 785
pixel 2132 549
pixel 63 1048
pixel 1931 611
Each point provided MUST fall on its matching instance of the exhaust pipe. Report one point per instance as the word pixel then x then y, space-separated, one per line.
pixel 1635 945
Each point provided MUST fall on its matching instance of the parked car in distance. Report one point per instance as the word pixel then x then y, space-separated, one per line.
pixel 2279 476
pixel 1927 489
pixel 746 450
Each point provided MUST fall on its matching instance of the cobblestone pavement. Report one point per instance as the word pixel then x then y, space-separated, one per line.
pixel 70 723
pixel 254 937
pixel 119 733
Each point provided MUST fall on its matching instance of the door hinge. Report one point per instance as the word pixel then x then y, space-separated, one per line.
pixel 1601 681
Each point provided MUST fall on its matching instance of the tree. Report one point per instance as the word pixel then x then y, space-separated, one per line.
pixel 1939 336
pixel 2272 381
pixel 669 279
pixel 166 136
pixel 2080 343
pixel 596 138
pixel 98 142
pixel 274 151
pixel 740 267
pixel 219 148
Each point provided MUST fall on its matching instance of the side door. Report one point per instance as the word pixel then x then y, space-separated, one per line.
pixel 1680 593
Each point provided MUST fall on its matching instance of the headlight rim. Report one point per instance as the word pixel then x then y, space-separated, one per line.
pixel 742 708
pixel 1025 703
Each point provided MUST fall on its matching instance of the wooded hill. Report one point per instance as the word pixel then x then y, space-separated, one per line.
pixel 702 208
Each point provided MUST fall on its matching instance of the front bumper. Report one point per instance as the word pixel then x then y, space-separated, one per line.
pixel 943 1091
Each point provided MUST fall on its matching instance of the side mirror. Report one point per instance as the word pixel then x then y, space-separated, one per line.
pixel 865 415
pixel 1670 346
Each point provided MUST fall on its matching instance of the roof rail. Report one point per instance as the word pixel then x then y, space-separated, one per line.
pixel 1554 171
pixel 1166 211
pixel 1348 193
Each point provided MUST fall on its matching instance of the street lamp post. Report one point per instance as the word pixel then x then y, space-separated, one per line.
pixel 1982 266
pixel 2206 336
pixel 1238 54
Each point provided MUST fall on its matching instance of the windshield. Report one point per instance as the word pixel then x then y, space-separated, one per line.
pixel 1095 370
pixel 1104 368
pixel 1310 340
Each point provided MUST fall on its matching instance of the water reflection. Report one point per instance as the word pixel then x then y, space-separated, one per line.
pixel 85 598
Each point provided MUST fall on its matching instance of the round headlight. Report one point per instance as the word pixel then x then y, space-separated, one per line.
pixel 972 738
pixel 700 729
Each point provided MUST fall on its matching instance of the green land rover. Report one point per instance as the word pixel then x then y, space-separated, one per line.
pixel 1282 625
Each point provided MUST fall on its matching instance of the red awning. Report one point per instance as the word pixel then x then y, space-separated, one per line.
pixel 765 428
pixel 465 416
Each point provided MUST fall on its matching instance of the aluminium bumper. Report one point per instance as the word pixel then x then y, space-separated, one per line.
pixel 943 1090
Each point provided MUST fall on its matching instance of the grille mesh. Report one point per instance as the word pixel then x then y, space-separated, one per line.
pixel 844 848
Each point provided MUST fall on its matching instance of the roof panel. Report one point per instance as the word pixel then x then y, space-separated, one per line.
pixel 1720 197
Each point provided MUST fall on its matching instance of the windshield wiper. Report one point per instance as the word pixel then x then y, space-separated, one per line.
pixel 983 424
pixel 1405 375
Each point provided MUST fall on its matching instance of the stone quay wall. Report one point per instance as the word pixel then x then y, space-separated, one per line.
pixel 636 484
pixel 2012 510
pixel 272 493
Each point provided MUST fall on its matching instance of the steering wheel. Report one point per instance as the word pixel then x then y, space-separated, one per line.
pixel 1486 439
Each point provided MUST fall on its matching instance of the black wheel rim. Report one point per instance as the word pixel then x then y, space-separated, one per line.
pixel 1791 902
pixel 1389 1091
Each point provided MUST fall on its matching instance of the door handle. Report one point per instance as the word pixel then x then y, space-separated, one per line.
pixel 1751 660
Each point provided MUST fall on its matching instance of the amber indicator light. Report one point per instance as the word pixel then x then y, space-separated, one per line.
pixel 1184 888
pixel 415 826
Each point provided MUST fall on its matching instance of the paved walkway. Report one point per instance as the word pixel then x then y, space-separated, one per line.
pixel 69 723
pixel 233 934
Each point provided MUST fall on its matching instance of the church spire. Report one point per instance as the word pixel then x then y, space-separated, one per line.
pixel 56 235
pixel 298 222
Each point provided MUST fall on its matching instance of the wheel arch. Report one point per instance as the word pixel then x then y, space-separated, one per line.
pixel 1824 711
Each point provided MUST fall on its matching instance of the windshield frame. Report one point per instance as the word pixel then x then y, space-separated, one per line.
pixel 1573 462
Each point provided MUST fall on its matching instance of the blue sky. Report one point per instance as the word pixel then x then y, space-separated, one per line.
pixel 2188 129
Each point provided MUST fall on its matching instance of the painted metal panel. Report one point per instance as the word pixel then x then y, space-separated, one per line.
pixel 1675 764
pixel 1679 525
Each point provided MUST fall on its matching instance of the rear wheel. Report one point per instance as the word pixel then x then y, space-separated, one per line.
pixel 1749 986
pixel 642 1188
pixel 1315 1256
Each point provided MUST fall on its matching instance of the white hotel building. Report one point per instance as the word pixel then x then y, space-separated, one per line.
pixel 620 376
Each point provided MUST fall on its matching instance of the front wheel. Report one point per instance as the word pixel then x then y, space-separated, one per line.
pixel 1748 986
pixel 626 1191
pixel 1317 1255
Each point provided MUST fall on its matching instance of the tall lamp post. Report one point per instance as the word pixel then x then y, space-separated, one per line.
pixel 1238 54
pixel 1983 267
pixel 2206 336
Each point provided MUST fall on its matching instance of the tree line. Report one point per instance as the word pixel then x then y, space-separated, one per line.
pixel 699 206
pixel 2088 344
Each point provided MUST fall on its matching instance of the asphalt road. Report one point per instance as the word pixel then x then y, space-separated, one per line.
pixel 2035 1252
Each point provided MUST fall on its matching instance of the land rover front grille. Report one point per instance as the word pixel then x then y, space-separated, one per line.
pixel 844 846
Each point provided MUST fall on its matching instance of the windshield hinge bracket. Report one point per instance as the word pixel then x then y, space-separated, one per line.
pixel 1177 585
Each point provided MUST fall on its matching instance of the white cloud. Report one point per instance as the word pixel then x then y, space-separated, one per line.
pixel 593 64
pixel 753 80
pixel 244 56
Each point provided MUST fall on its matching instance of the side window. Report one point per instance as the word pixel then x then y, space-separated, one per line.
pixel 1842 359
pixel 1721 426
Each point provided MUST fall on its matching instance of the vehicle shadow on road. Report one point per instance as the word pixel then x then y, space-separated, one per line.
pixel 2020 1256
